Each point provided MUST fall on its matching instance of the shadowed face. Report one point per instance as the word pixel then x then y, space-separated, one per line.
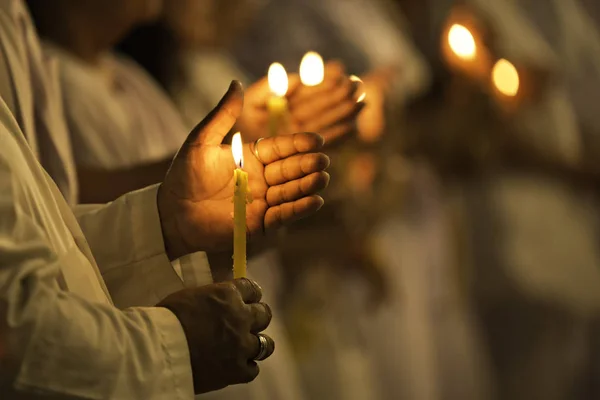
pixel 208 23
pixel 117 12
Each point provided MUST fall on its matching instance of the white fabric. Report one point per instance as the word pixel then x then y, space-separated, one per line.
pixel 206 76
pixel 60 332
pixel 117 115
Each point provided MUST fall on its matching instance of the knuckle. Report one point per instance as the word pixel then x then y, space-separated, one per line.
pixel 268 312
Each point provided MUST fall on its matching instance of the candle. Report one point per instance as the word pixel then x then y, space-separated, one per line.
pixel 462 42
pixel 240 196
pixel 506 78
pixel 277 103
pixel 312 69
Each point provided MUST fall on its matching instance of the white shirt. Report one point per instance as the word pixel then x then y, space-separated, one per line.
pixel 117 115
pixel 75 291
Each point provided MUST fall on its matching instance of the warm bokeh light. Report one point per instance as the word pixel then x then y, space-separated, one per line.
pixel 278 80
pixel 238 150
pixel 506 78
pixel 312 69
pixel 362 96
pixel 462 42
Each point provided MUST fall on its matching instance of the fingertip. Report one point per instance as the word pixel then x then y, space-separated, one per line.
pixel 316 202
pixel 319 140
pixel 326 179
pixel 236 87
pixel 306 142
pixel 252 372
pixel 327 161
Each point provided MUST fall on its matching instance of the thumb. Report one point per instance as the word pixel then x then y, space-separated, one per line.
pixel 217 124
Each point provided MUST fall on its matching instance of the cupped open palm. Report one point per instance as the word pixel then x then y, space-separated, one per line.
pixel 196 198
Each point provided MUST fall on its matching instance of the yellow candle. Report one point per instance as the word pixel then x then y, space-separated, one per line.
pixel 240 196
pixel 312 69
pixel 277 103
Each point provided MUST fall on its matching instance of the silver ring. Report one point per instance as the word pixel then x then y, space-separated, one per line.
pixel 256 151
pixel 263 348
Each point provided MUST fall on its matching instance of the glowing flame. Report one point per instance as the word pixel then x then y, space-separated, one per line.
pixel 278 80
pixel 362 96
pixel 237 150
pixel 506 78
pixel 462 42
pixel 312 69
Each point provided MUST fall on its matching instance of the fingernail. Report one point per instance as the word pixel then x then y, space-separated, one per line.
pixel 235 85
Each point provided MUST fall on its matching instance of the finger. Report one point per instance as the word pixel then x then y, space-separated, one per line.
pixel 343 112
pixel 270 347
pixel 307 110
pixel 293 84
pixel 295 167
pixel 261 317
pixel 250 291
pixel 289 212
pixel 279 147
pixel 297 189
pixel 250 371
pixel 333 77
pixel 215 126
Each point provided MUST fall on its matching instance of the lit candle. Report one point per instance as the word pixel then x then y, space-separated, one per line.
pixel 277 104
pixel 312 69
pixel 240 196
pixel 506 78
pixel 462 42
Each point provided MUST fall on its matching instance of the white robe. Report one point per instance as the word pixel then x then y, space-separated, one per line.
pixel 117 115
pixel 65 281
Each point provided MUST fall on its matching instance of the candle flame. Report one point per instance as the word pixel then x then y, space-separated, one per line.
pixel 237 150
pixel 312 69
pixel 362 96
pixel 278 80
pixel 506 78
pixel 462 42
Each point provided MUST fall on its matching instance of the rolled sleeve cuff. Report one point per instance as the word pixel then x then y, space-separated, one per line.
pixel 179 382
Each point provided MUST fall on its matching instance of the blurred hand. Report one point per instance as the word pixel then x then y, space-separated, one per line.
pixel 195 201
pixel 254 121
pixel 221 323
pixel 371 122
pixel 329 108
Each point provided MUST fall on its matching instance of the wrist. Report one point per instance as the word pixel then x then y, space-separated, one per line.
pixel 175 246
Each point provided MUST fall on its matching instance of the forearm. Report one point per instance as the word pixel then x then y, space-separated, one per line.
pixel 102 185
pixel 53 342
pixel 126 239
pixel 57 344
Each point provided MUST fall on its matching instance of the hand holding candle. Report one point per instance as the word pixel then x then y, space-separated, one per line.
pixel 327 101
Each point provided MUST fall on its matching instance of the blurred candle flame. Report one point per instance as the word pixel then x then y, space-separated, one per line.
pixel 462 42
pixel 312 69
pixel 362 96
pixel 237 150
pixel 278 80
pixel 506 78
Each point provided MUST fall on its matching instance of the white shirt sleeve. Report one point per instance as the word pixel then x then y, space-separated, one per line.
pixel 126 239
pixel 55 343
